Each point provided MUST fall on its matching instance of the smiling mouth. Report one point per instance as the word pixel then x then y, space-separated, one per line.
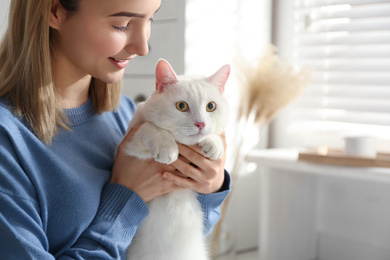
pixel 126 59
pixel 119 63
pixel 119 60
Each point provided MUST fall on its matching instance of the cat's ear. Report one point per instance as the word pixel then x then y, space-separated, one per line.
pixel 165 75
pixel 220 77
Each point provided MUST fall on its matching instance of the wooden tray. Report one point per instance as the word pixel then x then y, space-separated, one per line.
pixel 339 158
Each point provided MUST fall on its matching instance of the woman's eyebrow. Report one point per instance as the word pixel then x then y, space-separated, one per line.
pixel 130 14
pixel 127 14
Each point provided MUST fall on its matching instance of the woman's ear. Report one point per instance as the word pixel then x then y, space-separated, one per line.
pixel 57 14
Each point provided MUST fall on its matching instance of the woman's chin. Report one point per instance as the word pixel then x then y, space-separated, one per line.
pixel 111 78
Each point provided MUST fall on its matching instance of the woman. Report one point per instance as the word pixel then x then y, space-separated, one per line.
pixel 65 191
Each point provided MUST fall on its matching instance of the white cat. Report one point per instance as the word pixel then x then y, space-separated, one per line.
pixel 189 111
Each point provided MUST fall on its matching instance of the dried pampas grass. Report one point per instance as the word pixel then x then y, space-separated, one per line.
pixel 268 86
pixel 264 89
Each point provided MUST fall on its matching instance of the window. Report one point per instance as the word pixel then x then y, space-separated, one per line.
pixel 347 43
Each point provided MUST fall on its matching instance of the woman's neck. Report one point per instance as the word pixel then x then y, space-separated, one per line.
pixel 72 85
pixel 75 94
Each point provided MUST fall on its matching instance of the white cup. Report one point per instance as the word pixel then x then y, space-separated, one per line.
pixel 360 146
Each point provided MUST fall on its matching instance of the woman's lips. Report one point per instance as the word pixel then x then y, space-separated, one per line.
pixel 119 63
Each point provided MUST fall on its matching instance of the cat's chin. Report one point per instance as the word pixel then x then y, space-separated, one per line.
pixel 190 139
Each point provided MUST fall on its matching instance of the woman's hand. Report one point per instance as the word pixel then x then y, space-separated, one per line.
pixel 144 177
pixel 200 173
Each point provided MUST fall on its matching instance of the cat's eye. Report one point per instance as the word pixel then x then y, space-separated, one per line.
pixel 211 106
pixel 182 106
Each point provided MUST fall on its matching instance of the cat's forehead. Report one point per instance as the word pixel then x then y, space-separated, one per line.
pixel 197 88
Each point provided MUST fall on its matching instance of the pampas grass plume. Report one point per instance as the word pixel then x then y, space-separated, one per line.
pixel 268 86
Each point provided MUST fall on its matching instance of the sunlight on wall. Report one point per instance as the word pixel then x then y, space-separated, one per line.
pixel 211 30
pixel 218 30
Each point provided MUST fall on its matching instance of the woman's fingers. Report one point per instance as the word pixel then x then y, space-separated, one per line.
pixel 201 174
pixel 143 176
pixel 181 181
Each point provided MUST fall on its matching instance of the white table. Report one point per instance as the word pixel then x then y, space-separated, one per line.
pixel 312 211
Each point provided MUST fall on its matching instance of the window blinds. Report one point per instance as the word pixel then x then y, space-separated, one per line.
pixel 347 43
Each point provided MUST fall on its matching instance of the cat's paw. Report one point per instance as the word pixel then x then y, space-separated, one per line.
pixel 212 147
pixel 164 149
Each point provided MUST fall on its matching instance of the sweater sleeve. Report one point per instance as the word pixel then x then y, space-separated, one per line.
pixel 211 204
pixel 120 213
pixel 23 229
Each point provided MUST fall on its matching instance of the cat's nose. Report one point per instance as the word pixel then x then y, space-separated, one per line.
pixel 200 125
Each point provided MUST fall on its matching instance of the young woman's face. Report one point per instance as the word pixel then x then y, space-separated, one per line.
pixel 103 36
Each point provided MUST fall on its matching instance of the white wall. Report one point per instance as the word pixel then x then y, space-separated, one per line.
pixel 4 9
pixel 353 219
pixel 282 37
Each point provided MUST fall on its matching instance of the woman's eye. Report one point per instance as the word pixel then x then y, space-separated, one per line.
pixel 211 106
pixel 151 20
pixel 182 106
pixel 121 28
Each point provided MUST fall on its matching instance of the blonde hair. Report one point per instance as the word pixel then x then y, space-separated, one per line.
pixel 26 73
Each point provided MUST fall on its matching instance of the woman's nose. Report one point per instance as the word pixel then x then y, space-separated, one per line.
pixel 138 42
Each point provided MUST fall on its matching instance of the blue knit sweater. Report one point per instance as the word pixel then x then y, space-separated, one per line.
pixel 55 200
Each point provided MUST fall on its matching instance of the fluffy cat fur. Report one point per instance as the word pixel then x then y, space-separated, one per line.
pixel 189 111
